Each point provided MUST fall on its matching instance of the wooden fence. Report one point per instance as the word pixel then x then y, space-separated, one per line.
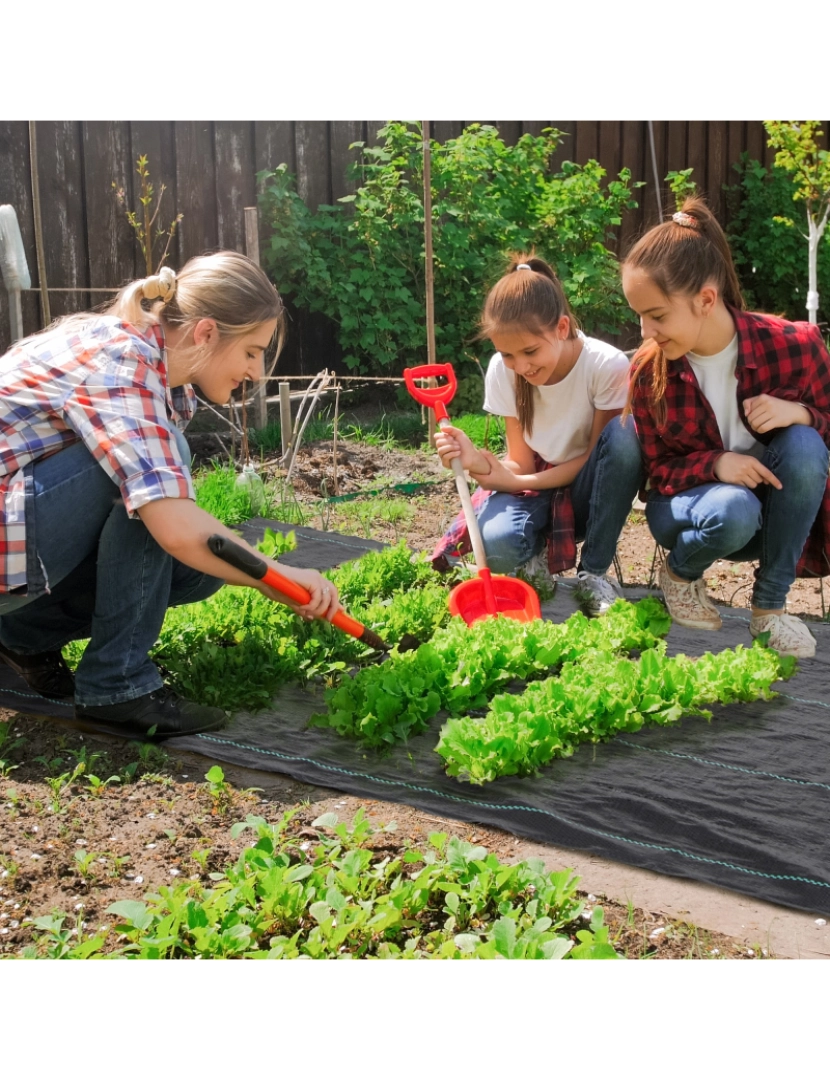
pixel 209 173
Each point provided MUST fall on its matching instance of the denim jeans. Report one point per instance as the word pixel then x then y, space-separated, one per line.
pixel 513 527
pixel 727 521
pixel 107 579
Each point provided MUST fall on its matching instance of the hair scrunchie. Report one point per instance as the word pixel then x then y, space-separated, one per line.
pixel 686 220
pixel 160 286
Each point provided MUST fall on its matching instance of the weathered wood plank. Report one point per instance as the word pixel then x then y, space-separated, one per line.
pixel 313 162
pixel 110 237
pixel 565 149
pixel 510 131
pixel 717 165
pixel 735 145
pixel 155 140
pixel 235 182
pixel 342 133
pixel 586 141
pixel 676 140
pixel 633 154
pixel 198 231
pixel 756 138
pixel 16 190
pixel 649 201
pixel 274 145
pixel 372 129
pixel 60 171
pixel 696 155
pixel 442 130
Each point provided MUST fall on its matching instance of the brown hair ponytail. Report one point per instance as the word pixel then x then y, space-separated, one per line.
pixel 680 255
pixel 530 296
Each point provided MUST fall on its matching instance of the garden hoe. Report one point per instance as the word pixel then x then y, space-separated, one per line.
pixel 484 595
pixel 248 563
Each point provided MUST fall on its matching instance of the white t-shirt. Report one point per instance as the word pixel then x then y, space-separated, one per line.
pixel 563 414
pixel 716 379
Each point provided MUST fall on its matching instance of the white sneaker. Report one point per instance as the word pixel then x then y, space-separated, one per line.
pixel 597 591
pixel 688 603
pixel 789 636
pixel 536 566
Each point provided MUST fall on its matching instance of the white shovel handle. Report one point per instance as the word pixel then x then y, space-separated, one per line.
pixel 469 512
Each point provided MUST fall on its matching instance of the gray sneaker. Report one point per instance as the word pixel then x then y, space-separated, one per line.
pixel 597 592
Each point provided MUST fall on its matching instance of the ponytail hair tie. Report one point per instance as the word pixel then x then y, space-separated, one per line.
pixel 686 220
pixel 160 286
pixel 524 266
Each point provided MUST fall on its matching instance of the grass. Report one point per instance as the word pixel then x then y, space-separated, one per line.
pixel 393 431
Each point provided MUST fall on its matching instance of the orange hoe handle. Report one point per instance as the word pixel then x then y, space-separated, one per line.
pixel 245 561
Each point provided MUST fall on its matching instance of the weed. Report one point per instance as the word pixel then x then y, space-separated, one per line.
pixel 8 867
pixel 8 745
pixel 84 863
pixel 219 789
pixel 59 784
pixel 97 786
pixel 201 856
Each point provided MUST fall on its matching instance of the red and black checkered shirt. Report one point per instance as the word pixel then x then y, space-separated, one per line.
pixel 787 360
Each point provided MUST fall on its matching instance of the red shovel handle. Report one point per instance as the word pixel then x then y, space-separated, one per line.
pixel 242 559
pixel 435 397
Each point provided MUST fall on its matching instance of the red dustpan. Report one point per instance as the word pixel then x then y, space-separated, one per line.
pixel 486 594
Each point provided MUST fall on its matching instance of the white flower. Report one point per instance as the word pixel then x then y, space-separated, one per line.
pixel 821 922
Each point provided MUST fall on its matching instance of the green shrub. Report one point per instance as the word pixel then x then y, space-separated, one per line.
pixel 361 263
pixel 767 235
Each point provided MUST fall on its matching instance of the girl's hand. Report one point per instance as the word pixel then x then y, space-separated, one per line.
pixel 496 476
pixel 324 601
pixel 766 413
pixel 452 443
pixel 744 470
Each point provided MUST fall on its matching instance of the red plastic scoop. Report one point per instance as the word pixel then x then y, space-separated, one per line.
pixel 486 594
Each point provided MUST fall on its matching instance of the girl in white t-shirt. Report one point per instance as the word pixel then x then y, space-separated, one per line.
pixel 572 468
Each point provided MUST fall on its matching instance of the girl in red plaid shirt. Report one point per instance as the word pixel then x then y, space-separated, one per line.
pixel 733 414
pixel 99 530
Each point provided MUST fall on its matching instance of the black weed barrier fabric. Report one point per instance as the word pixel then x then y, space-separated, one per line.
pixel 741 801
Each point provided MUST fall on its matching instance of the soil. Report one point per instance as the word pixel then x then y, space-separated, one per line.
pixel 68 848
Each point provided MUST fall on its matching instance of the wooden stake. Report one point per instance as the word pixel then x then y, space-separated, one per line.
pixel 258 401
pixel 429 267
pixel 334 441
pixel 285 416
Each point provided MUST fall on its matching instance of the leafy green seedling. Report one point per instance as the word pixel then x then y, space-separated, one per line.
pixel 219 790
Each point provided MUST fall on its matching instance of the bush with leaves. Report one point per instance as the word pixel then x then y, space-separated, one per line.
pixel 361 263
pixel 767 238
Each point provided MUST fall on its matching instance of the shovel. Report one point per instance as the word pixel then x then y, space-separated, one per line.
pixel 484 595
pixel 245 561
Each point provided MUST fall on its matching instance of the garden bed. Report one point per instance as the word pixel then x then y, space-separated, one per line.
pixel 75 840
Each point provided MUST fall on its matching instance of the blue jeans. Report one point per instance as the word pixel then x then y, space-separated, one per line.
pixel 727 521
pixel 513 527
pixel 93 572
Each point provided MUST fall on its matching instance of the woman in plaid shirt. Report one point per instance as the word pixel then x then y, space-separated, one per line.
pixel 733 413
pixel 99 530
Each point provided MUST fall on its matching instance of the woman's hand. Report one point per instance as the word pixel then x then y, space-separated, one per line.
pixel 767 413
pixel 452 443
pixel 324 601
pixel 744 470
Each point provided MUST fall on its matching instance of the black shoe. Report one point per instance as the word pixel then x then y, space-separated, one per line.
pixel 46 672
pixel 163 712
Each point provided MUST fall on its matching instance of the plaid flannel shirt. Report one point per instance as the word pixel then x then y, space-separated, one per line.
pixel 787 360
pixel 104 383
pixel 560 536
